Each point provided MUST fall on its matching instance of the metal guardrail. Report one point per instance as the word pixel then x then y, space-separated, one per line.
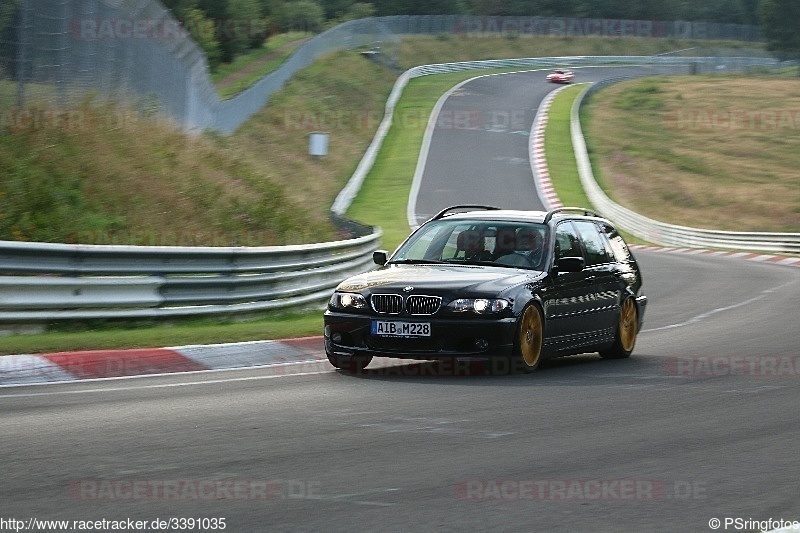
pixel 660 232
pixel 44 282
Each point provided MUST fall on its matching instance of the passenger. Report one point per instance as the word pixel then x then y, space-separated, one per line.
pixel 527 251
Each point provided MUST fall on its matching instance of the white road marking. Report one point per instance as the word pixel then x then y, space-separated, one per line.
pixel 707 314
pixel 163 385
pixel 347 497
pixel 757 390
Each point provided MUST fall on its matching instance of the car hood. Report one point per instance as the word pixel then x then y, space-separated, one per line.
pixel 440 279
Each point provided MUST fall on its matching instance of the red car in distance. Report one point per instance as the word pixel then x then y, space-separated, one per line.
pixel 561 75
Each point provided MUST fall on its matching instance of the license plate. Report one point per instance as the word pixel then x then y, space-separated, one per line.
pixel 401 329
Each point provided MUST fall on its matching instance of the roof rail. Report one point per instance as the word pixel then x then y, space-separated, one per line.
pixel 446 210
pixel 582 210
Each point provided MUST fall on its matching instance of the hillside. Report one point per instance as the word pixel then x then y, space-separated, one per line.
pixel 715 152
pixel 114 174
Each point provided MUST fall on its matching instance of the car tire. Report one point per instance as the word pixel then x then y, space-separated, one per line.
pixel 350 363
pixel 626 330
pixel 529 340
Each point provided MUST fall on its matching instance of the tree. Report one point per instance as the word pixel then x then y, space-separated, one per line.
pixel 8 36
pixel 305 15
pixel 7 11
pixel 750 8
pixel 203 32
pixel 270 8
pixel 335 9
pixel 491 8
pixel 180 8
pixel 360 10
pixel 420 7
pixel 779 22
pixel 250 29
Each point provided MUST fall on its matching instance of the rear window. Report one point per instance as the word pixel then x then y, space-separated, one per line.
pixel 595 245
pixel 618 247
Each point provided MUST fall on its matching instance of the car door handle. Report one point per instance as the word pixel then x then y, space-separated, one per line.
pixel 590 279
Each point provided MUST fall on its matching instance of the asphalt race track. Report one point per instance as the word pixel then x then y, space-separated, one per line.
pixel 701 423
pixel 478 153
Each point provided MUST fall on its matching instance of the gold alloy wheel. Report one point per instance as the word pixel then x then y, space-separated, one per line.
pixel 627 325
pixel 530 336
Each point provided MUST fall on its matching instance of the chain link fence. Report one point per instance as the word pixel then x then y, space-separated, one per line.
pixel 56 53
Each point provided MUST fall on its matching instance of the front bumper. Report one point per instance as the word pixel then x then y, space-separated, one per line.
pixel 479 337
pixel 641 306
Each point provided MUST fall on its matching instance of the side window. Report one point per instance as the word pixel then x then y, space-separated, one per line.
pixel 567 243
pixel 593 242
pixel 618 247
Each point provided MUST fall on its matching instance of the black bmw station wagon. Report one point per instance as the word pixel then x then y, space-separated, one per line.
pixel 512 287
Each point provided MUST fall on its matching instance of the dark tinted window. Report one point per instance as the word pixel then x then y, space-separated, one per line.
pixel 567 243
pixel 620 250
pixel 593 242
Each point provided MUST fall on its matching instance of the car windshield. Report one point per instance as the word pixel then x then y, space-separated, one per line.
pixel 477 242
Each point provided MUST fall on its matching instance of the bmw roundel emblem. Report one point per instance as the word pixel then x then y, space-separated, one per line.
pixel 409 288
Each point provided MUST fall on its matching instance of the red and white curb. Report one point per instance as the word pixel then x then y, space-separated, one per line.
pixel 104 364
pixel 747 256
pixel 541 173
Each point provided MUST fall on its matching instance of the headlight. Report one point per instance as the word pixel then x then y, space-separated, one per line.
pixel 489 306
pixel 347 300
pixel 483 306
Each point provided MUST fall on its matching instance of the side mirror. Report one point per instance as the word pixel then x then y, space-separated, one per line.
pixel 571 264
pixel 380 257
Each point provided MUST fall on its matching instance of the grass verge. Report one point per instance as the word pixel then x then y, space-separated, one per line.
pixel 195 331
pixel 717 152
pixel 116 175
pixel 232 78
pixel 559 151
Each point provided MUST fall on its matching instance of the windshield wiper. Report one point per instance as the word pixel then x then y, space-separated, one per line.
pixel 475 262
pixel 415 262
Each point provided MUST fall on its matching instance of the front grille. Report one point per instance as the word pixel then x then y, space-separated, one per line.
pixel 391 304
pixel 423 305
